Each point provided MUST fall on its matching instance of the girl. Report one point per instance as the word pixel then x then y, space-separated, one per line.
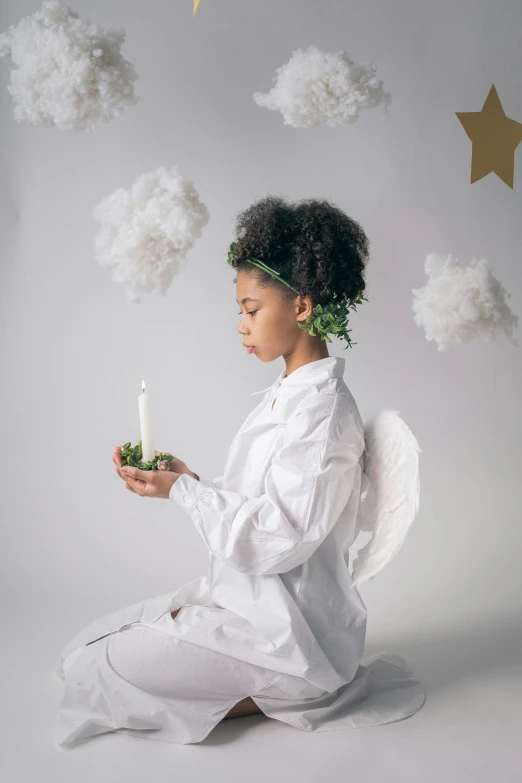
pixel 276 626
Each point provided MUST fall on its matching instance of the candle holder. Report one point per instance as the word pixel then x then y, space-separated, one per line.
pixel 132 455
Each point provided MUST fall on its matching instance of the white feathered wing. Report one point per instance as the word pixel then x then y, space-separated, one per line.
pixel 389 491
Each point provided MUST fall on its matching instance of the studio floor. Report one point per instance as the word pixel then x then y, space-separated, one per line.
pixel 468 729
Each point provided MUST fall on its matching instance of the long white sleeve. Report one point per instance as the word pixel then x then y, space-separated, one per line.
pixel 307 485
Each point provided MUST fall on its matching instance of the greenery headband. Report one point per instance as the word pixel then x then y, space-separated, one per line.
pixel 330 319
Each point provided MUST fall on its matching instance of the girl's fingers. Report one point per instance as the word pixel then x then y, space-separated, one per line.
pixel 117 462
pixel 124 478
pixel 116 456
pixel 118 471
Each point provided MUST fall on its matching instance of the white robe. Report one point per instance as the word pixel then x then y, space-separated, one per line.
pixel 277 614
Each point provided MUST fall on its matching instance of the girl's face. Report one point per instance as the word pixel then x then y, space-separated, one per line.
pixel 267 322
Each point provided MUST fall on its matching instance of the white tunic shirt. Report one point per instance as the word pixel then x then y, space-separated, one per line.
pixel 278 597
pixel 278 594
pixel 278 525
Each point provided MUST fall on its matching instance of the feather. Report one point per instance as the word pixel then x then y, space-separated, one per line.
pixel 389 491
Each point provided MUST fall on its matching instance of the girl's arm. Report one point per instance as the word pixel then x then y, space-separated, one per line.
pixel 308 483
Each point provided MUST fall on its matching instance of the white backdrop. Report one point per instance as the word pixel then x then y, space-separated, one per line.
pixel 76 544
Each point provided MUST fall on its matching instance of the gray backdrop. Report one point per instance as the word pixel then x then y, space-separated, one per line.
pixel 77 544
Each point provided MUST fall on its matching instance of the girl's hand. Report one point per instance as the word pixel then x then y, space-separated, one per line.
pixel 149 483
pixel 177 466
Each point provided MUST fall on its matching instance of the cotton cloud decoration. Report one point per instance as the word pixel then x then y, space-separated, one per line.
pixel 68 72
pixel 316 87
pixel 146 231
pixel 460 302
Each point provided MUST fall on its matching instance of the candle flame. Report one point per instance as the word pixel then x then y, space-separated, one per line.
pixel 143 386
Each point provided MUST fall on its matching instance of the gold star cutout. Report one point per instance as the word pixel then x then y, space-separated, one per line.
pixel 196 3
pixel 495 138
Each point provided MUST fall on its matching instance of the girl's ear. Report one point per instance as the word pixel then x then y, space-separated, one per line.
pixel 307 304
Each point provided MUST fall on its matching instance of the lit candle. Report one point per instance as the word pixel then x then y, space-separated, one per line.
pixel 147 441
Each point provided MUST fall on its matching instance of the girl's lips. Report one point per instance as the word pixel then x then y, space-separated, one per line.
pixel 250 348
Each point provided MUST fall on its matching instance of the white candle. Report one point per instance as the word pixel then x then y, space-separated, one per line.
pixel 147 440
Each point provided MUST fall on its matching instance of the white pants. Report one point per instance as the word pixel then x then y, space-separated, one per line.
pixel 142 681
pixel 138 677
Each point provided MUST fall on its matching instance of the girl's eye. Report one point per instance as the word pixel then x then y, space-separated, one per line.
pixel 251 312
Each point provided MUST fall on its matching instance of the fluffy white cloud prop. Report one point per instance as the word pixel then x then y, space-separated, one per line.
pixel 315 87
pixel 147 230
pixel 459 303
pixel 68 73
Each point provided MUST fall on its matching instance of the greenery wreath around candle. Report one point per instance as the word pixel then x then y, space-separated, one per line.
pixel 330 318
pixel 132 455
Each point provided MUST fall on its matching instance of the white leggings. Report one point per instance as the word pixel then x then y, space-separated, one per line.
pixel 167 666
pixel 140 678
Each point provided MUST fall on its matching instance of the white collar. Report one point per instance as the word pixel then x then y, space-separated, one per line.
pixel 310 373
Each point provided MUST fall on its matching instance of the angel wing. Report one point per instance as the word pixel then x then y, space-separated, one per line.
pixel 389 491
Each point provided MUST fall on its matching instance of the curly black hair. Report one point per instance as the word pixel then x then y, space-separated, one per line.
pixel 312 243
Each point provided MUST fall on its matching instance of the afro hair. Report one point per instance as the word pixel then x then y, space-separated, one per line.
pixel 312 244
